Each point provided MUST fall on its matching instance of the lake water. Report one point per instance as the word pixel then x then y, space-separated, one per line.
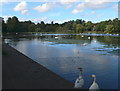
pixel 64 53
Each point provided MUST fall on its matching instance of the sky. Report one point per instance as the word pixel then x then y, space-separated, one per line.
pixel 60 11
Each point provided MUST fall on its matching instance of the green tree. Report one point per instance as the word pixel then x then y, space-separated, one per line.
pixel 89 26
pixel 73 26
pixel 109 29
pixel 79 28
pixel 13 24
pixel 38 29
pixel 31 28
pixel 3 27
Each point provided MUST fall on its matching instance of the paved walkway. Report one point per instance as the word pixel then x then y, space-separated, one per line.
pixel 20 72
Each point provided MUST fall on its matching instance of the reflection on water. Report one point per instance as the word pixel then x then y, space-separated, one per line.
pixel 63 54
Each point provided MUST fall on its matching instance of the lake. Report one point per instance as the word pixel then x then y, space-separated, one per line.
pixel 64 53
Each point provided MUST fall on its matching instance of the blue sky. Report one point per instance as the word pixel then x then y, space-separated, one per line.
pixel 61 11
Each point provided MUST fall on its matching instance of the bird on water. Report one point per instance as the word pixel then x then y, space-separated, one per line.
pixel 94 86
pixel 79 81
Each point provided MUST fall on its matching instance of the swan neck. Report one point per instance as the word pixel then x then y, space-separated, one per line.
pixel 80 73
pixel 94 79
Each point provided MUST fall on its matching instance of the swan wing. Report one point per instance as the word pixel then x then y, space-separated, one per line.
pixel 79 83
pixel 94 86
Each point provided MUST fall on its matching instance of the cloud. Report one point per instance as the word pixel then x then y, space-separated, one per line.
pixel 61 21
pixel 24 12
pixel 23 19
pixel 7 1
pixel 63 1
pixel 75 11
pixel 22 7
pixel 6 17
pixel 47 20
pixel 45 7
pixel 79 8
pixel 68 3
pixel 40 19
pixel 92 4
pixel 116 7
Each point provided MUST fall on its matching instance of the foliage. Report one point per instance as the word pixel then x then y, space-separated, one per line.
pixel 73 26
pixel 109 29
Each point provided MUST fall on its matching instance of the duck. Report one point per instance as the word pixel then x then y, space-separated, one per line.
pixel 94 85
pixel 79 81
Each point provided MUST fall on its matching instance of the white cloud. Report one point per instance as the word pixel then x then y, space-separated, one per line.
pixel 92 4
pixel 22 7
pixel 23 19
pixel 75 11
pixel 68 3
pixel 24 11
pixel 7 1
pixel 79 8
pixel 45 7
pixel 47 20
pixel 59 1
pixel 43 18
pixel 40 19
pixel 6 17
pixel 61 21
pixel 116 7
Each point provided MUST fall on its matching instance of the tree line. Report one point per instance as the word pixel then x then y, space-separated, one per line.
pixel 73 26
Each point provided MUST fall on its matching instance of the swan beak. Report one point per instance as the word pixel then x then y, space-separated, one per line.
pixel 93 76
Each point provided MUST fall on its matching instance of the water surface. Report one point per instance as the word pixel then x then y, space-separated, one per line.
pixel 64 53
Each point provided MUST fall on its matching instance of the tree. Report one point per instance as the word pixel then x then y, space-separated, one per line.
pixel 72 26
pixel 52 22
pixel 31 28
pixel 38 29
pixel 3 27
pixel 109 29
pixel 79 28
pixel 42 22
pixel 9 25
pixel 79 21
pixel 89 26
pixel 13 24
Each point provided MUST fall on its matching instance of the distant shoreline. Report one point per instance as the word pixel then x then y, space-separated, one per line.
pixel 73 26
pixel 52 33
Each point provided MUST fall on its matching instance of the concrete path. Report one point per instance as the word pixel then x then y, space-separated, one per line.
pixel 20 72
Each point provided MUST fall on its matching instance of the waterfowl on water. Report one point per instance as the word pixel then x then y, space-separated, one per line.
pixel 56 37
pixel 82 36
pixel 84 44
pixel 94 86
pixel 88 37
pixel 79 81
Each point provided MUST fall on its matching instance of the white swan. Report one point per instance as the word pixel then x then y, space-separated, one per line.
pixel 88 37
pixel 57 37
pixel 82 36
pixel 94 86
pixel 84 44
pixel 79 81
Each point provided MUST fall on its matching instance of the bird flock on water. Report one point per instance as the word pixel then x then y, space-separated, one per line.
pixel 79 83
